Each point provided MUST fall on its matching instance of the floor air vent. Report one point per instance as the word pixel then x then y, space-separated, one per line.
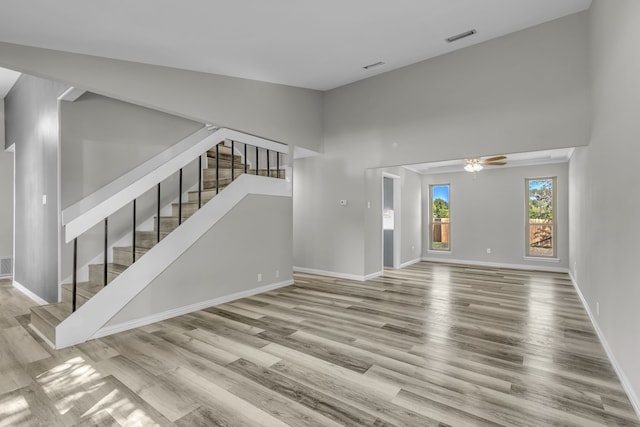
pixel 6 266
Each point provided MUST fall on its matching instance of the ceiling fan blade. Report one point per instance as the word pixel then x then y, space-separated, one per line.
pixel 494 163
pixel 493 159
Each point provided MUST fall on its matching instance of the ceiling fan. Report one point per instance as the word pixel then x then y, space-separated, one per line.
pixel 477 164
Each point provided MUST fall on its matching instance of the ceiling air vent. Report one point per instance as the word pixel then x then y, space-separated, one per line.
pixel 460 36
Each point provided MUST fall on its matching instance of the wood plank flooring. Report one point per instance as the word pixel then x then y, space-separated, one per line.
pixel 429 345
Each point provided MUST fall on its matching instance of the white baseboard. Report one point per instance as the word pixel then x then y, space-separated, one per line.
pixel 498 265
pixel 631 393
pixel 30 294
pixel 110 330
pixel 373 275
pixel 332 274
pixel 408 263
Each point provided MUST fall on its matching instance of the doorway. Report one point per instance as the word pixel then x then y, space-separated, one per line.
pixel 391 221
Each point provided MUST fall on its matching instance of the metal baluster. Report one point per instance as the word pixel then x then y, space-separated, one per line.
pixel 106 247
pixel 75 274
pixel 257 172
pixel 133 249
pixel 278 164
pixel 268 166
pixel 180 199
pixel 199 182
pixel 233 161
pixel 158 222
pixel 217 169
pixel 246 163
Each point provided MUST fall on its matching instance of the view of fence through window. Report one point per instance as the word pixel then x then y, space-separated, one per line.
pixel 440 217
pixel 540 216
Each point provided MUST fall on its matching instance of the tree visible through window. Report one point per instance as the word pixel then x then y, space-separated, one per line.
pixel 540 233
pixel 440 219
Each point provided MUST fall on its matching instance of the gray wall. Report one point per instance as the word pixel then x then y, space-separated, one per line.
pixel 6 194
pixel 101 139
pixel 211 270
pixel 523 92
pixel 603 185
pixel 488 211
pixel 283 113
pixel 31 119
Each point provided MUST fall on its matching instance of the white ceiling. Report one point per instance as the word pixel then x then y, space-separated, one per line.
pixel 313 44
pixel 543 157
pixel 7 79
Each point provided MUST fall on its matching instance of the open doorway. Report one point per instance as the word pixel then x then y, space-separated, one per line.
pixel 391 235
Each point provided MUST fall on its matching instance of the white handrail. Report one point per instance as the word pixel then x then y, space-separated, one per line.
pixel 91 210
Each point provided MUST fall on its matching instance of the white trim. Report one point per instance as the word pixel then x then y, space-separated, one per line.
pixel 373 275
pixel 397 219
pixel 35 298
pixel 626 384
pixel 498 265
pixel 71 94
pixel 408 263
pixel 121 327
pixel 89 211
pixel 331 274
pixel 96 312
pixel 41 335
pixel 541 259
pixel 443 252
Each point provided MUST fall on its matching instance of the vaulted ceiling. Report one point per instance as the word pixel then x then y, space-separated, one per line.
pixel 312 44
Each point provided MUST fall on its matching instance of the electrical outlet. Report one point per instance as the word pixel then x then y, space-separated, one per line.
pixel 343 202
pixel 259 277
pixel 488 250
pixel 368 205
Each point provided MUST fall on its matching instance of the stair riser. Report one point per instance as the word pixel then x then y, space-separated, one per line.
pixel 67 298
pixel 96 274
pixel 187 210
pixel 167 224
pixel 206 196
pixel 123 256
pixel 224 162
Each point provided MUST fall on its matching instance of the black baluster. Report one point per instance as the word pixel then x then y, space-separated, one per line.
pixel 268 166
pixel 158 222
pixel 75 274
pixel 257 172
pixel 106 244
pixel 133 249
pixel 217 169
pixel 180 199
pixel 278 164
pixel 199 182
pixel 246 163
pixel 233 161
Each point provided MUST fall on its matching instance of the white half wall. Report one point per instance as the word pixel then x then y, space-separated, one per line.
pixel 224 261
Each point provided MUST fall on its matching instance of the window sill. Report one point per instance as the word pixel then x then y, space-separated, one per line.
pixel 542 259
pixel 435 251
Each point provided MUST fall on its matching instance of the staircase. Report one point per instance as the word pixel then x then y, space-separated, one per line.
pixel 45 318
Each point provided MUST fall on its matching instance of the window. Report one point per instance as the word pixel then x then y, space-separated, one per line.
pixel 440 225
pixel 541 211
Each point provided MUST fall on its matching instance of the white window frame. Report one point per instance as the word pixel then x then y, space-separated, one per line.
pixel 431 222
pixel 553 223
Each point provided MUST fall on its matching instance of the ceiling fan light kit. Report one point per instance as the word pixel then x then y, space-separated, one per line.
pixel 476 164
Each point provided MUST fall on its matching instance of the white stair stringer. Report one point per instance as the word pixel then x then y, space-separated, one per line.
pixel 87 321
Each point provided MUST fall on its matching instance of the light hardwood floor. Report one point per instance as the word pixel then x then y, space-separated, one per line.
pixel 429 345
